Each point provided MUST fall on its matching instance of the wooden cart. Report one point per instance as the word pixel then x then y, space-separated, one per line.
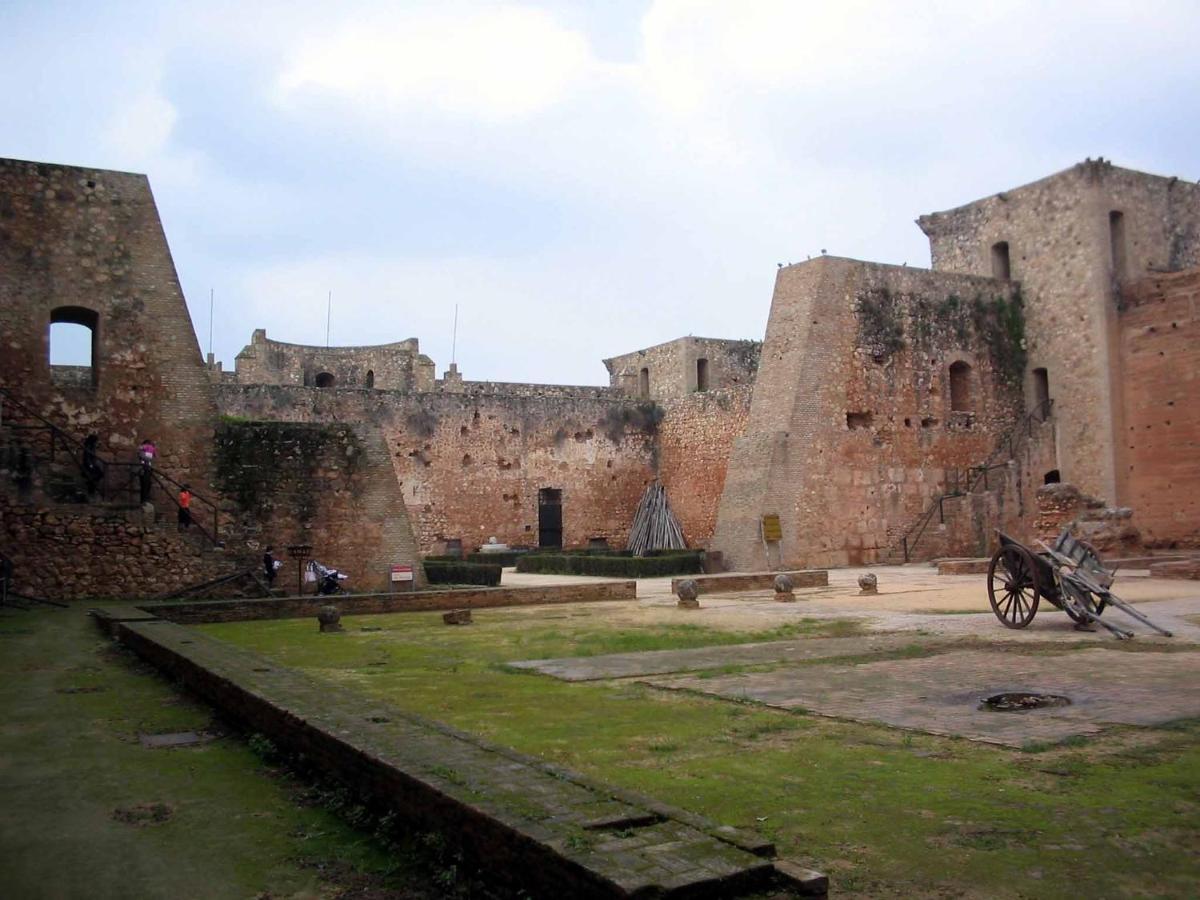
pixel 1068 574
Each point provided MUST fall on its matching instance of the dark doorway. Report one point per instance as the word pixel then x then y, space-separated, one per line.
pixel 325 380
pixel 702 374
pixel 550 517
pixel 1051 477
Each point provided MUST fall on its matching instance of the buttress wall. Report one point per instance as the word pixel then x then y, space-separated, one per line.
pixel 874 381
pixel 86 245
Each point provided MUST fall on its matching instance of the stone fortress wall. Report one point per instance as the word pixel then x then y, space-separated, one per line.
pixel 85 247
pixel 874 386
pixel 1160 374
pixel 684 366
pixel 1073 240
pixel 875 381
pixel 398 367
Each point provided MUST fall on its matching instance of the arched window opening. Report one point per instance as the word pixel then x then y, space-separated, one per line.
pixel 1051 477
pixel 1041 393
pixel 644 383
pixel 1116 236
pixel 960 387
pixel 1001 264
pixel 73 346
pixel 325 380
pixel 702 374
pixel 370 378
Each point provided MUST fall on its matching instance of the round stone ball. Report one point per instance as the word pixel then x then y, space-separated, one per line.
pixel 868 583
pixel 783 584
pixel 688 589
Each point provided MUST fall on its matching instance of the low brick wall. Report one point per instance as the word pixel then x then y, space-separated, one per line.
pixel 369 604
pixel 976 566
pixel 534 827
pixel 1189 569
pixel 752 581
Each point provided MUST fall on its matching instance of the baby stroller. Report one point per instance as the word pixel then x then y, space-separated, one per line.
pixel 328 580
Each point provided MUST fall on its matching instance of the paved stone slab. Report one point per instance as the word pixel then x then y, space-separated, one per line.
pixel 942 694
pixel 661 662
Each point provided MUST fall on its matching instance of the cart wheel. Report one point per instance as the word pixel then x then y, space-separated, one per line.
pixel 1013 586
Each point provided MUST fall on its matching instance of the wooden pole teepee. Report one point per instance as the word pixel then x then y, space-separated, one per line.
pixel 654 525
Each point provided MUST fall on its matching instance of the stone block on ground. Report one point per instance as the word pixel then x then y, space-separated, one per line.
pixel 330 619
pixel 457 617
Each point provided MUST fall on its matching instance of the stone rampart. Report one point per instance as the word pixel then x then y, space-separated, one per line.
pixel 328 486
pixel 86 247
pixel 875 381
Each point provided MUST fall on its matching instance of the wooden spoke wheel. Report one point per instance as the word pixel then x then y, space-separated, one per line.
pixel 1013 586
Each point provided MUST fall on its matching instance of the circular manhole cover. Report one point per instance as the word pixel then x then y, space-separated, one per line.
pixel 1016 701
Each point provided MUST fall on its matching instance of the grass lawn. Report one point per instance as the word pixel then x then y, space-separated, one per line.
pixel 87 812
pixel 885 812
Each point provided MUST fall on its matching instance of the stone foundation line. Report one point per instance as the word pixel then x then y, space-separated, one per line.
pixel 529 825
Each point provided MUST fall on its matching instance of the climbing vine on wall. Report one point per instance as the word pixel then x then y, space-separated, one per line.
pixel 888 320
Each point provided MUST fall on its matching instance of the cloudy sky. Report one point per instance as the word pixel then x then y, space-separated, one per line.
pixel 581 178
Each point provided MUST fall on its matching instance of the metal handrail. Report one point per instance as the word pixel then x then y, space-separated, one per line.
pixel 975 474
pixel 106 465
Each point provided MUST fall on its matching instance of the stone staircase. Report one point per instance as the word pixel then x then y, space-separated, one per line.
pixel 996 493
pixel 69 538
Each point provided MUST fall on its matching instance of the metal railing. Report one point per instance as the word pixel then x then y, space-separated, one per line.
pixel 108 478
pixel 965 481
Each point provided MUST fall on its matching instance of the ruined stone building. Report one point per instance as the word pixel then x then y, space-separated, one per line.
pixel 889 412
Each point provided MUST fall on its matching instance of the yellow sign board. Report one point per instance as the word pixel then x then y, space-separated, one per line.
pixel 772 531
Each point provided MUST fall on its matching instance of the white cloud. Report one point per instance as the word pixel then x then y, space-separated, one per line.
pixel 140 129
pixel 495 64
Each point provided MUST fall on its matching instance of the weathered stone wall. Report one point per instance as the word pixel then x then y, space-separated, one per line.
pixel 672 368
pixel 398 366
pixel 69 552
pixel 1071 258
pixel 88 244
pixel 851 427
pixel 470 466
pixel 1160 361
pixel 695 440
pixel 330 486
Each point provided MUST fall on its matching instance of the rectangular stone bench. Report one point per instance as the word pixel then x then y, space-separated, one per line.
pixel 728 582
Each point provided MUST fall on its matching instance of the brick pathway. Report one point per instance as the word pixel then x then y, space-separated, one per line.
pixel 942 694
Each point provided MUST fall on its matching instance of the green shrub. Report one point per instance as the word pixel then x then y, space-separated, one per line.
pixel 673 563
pixel 439 571
pixel 504 558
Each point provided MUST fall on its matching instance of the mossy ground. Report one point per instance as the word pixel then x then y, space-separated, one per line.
pixel 886 813
pixel 87 812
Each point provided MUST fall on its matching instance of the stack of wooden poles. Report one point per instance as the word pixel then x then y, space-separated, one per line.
pixel 654 525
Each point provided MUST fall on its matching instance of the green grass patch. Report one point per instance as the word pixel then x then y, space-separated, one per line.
pixel 884 812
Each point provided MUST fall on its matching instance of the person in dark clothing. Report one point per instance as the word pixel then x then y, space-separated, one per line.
pixel 92 470
pixel 185 508
pixel 146 453
pixel 270 567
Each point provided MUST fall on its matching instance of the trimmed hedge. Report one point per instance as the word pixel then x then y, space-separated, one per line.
pixel 676 563
pixel 503 558
pixel 439 571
